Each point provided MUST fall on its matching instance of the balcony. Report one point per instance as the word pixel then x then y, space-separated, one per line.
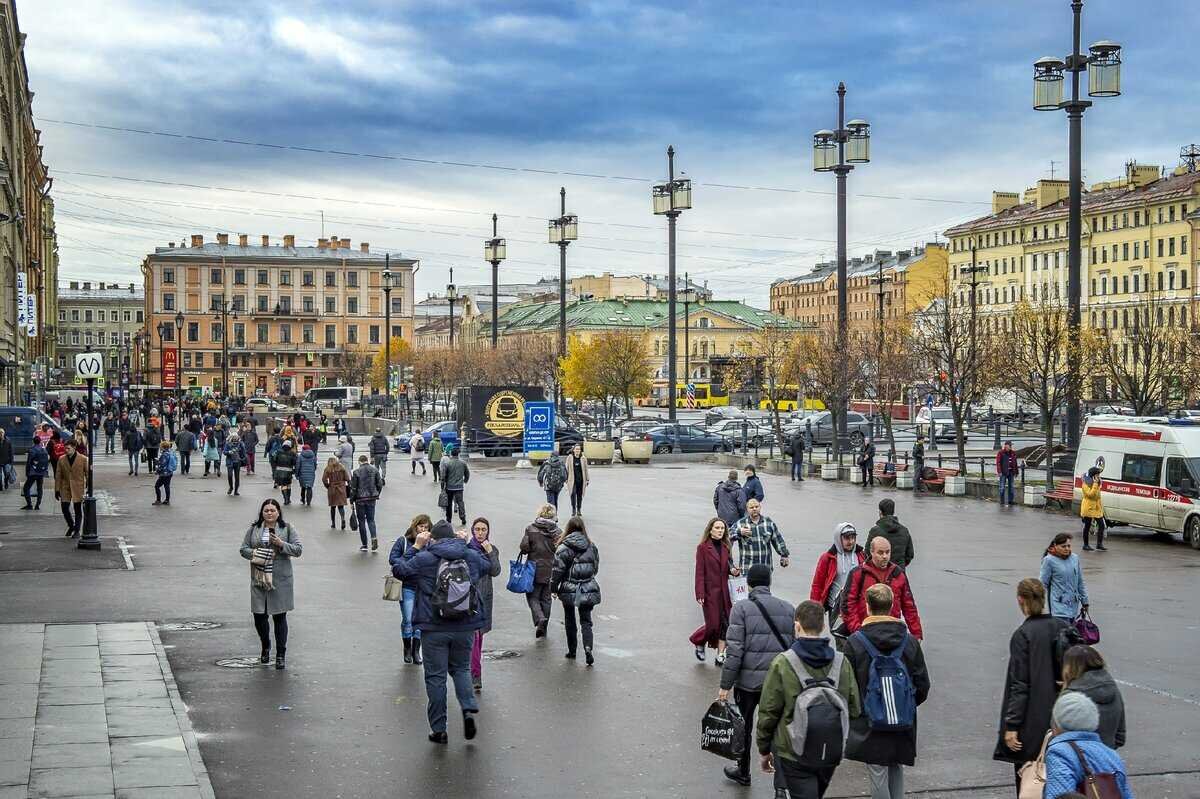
pixel 284 313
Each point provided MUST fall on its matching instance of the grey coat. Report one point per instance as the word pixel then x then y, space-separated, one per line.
pixel 455 474
pixel 280 599
pixel 484 585
pixel 751 646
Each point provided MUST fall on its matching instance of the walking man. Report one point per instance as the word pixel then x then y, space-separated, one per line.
pixel 455 476
pixel 797 457
pixel 896 533
pixel 185 442
pixel 756 535
pixel 1006 471
pixel 443 569
pixel 877 570
pixel 365 485
pixel 866 462
pixel 760 627
pixel 889 668
pixel 918 460
pixel 379 451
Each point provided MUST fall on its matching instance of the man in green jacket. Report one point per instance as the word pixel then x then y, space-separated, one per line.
pixel 896 533
pixel 778 702
pixel 435 454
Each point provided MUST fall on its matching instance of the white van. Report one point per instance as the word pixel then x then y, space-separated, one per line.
pixel 340 397
pixel 1151 471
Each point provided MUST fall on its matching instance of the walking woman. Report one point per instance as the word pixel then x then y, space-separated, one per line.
pixel 235 458
pixel 577 478
pixel 212 452
pixel 1031 685
pixel 1083 671
pixel 576 563
pixel 269 545
pixel 335 478
pixel 481 532
pixel 410 636
pixel 306 473
pixel 164 467
pixel 1091 509
pixel 541 539
pixel 1063 577
pixel 283 466
pixel 345 454
pixel 713 570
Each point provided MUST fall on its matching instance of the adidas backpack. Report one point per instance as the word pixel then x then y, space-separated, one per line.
pixel 821 720
pixel 454 596
pixel 890 699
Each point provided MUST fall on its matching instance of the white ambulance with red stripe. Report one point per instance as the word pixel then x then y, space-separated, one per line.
pixel 1150 471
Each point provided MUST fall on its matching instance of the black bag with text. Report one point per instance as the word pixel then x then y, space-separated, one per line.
pixel 723 731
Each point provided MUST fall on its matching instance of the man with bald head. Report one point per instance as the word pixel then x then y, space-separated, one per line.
pixel 879 569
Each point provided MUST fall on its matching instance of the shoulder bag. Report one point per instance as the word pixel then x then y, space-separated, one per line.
pixel 521 574
pixel 1096 786
pixel 1033 774
pixel 393 589
pixel 783 644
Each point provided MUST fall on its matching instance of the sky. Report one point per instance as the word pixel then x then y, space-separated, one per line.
pixel 408 123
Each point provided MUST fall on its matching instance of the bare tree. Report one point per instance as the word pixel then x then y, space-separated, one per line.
pixel 891 368
pixel 767 358
pixel 352 367
pixel 1151 355
pixel 830 370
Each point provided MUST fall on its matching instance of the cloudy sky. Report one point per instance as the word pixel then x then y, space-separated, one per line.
pixel 408 123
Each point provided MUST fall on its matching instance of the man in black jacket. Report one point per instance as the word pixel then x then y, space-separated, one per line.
pixel 379 451
pixel 885 752
pixel 896 533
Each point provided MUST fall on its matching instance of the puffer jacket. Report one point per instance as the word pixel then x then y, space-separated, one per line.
pixel 38 462
pixel 306 468
pixel 729 502
pixel 751 645
pixel 379 444
pixel 539 545
pixel 185 440
pixel 235 454
pixel 1101 688
pixel 1064 771
pixel 576 563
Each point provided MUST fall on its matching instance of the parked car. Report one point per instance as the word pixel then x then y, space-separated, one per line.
pixel 687 437
pixel 19 423
pixel 721 413
pixel 756 434
pixel 858 427
pixel 634 429
pixel 446 430
pixel 1117 410
pixel 263 405
pixel 943 422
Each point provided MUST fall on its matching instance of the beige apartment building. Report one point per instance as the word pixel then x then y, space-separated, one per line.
pixel 100 317
pixel 299 317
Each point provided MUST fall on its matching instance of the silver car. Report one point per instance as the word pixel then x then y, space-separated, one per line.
pixel 858 427
pixel 757 435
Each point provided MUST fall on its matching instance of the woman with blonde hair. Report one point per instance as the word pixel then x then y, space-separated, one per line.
pixel 410 635
pixel 539 543
pixel 713 569
pixel 335 478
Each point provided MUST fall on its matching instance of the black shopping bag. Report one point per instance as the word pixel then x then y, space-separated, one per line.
pixel 723 731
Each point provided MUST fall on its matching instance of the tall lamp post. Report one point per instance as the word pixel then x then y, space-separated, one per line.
pixel 452 296
pixel 689 296
pixel 222 310
pixel 1103 65
pixel 563 231
pixel 669 199
pixel 837 151
pixel 178 357
pixel 387 331
pixel 495 250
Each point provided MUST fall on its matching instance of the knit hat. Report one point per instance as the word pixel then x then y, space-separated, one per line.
pixel 759 574
pixel 287 442
pixel 442 530
pixel 1075 712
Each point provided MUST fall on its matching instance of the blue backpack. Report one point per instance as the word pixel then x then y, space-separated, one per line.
pixel 889 701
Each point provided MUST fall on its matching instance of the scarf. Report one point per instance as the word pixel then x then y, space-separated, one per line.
pixel 262 564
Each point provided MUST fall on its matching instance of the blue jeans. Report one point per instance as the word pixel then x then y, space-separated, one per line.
pixel 798 470
pixel 1006 488
pixel 409 598
pixel 552 497
pixel 446 652
pixel 366 515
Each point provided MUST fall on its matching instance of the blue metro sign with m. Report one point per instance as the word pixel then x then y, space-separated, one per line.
pixel 539 427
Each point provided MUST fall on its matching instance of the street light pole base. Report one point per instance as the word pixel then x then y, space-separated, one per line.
pixel 90 538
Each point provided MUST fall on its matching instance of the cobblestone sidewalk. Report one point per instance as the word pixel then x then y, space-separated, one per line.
pixel 92 710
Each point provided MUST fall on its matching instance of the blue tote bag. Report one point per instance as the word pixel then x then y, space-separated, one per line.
pixel 520 575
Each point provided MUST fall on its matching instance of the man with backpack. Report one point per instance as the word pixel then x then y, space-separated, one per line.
pixel 444 570
pixel 760 627
pixel 879 569
pixel 552 477
pixel 812 685
pixel 889 668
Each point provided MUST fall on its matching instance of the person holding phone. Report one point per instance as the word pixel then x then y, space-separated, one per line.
pixel 269 545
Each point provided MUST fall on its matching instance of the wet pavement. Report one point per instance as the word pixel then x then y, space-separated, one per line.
pixel 347 718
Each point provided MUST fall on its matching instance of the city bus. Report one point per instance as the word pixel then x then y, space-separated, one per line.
pixel 708 395
pixel 787 399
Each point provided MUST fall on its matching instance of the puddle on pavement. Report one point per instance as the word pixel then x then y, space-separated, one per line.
pixel 241 663
pixel 500 654
pixel 176 626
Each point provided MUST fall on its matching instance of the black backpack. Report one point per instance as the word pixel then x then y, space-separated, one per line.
pixel 421 444
pixel 454 595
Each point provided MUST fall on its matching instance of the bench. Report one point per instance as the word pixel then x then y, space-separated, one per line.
pixel 887 478
pixel 938 483
pixel 1063 492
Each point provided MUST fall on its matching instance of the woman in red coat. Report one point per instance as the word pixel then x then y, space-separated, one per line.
pixel 713 570
pixel 833 567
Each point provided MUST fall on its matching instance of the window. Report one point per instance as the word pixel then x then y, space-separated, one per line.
pixel 1104 223
pixel 168 275
pixel 1183 279
pixel 1104 256
pixel 1125 220
pixel 1093 287
pixel 1094 259
pixel 331 305
pixel 373 334
pixel 263 299
pixel 1144 469
pixel 1137 218
pixel 397 331
pixel 199 360
pixel 139 316
pixel 352 279
pixel 1170 281
pixel 239 277
pixel 1183 245
pixel 168 302
pixel 1136 281
pixel 352 305
pixel 285 305
pixel 352 333
pixel 306 277
pixel 215 301
pixel 397 305
pixel 263 333
pixel 1103 286
pixel 239 335
pixel 1160 248
pixel 1125 284
pixel 1160 280
pixel 87 315
pixel 285 277
pixel 307 303
pixel 331 278
pixel 262 277
pixel 114 339
pixel 215 277
pixel 168 335
pixel 193 331
pixel 330 336
pixel 1160 216
pixel 306 334
pixel 1170 246
pixel 285 334
pixel 1137 250
pixel 127 316
pixel 100 316
pixel 1171 213
pixel 239 302
pixel 1125 252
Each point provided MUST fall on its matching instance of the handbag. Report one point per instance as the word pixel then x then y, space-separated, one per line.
pixel 443 499
pixel 1088 631
pixel 723 730
pixel 1033 774
pixel 521 574
pixel 1096 786
pixel 353 520
pixel 393 589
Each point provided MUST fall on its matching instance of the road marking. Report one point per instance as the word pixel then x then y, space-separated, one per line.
pixel 1158 692
pixel 124 547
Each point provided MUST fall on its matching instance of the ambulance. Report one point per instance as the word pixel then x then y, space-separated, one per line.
pixel 1150 471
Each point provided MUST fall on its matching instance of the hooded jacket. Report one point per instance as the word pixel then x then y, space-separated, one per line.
pixel 576 563
pixel 885 747
pixel 306 467
pixel 1102 689
pixel 1065 591
pixel 185 440
pixel 898 536
pixel 782 687
pixel 1064 772
pixel 539 545
pixel 418 568
pixel 752 488
pixel 750 643
pixel 827 570
pixel 729 502
pixel 455 473
pixel 37 463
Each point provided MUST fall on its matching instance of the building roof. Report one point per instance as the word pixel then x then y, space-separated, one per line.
pixel 111 292
pixel 856 267
pixel 636 314
pixel 257 252
pixel 1104 200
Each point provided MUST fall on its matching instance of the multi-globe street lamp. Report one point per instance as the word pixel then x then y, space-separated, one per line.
pixel 562 231
pixel 1103 65
pixel 669 199
pixel 837 151
pixel 494 251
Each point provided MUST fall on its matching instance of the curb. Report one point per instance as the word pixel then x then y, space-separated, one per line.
pixel 185 725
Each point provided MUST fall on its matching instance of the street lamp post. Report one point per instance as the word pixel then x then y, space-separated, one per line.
pixel 669 200
pixel 178 357
pixel 837 151
pixel 1103 65
pixel 688 297
pixel 452 296
pixel 222 311
pixel 563 231
pixel 494 251
pixel 973 270
pixel 387 331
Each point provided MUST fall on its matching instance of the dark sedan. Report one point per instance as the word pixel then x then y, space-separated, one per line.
pixel 685 438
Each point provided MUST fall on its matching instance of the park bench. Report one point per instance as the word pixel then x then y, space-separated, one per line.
pixel 1062 493
pixel 938 483
pixel 888 478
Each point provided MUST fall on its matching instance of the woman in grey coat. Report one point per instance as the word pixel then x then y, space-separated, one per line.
pixel 269 545
pixel 1083 670
pixel 481 535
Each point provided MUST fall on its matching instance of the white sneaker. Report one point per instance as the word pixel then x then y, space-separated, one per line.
pixel 362 549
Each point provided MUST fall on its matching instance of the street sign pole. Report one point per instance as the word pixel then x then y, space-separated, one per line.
pixel 90 366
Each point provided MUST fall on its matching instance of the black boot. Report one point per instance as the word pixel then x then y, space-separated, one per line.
pixel 416 651
pixel 279 664
pixel 737 775
pixel 265 657
pixel 408 650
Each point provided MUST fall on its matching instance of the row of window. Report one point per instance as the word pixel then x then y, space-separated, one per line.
pixel 263 333
pixel 202 360
pixel 308 277
pixel 1166 282
pixel 282 306
pixel 113 337
pixel 100 316
pixel 1122 318
pixel 1166 249
pixel 1166 214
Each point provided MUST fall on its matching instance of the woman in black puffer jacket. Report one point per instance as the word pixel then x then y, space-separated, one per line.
pixel 576 563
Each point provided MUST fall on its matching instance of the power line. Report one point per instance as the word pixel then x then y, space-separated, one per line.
pixel 473 165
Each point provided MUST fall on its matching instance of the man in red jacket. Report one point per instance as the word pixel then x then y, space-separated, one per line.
pixel 834 568
pixel 879 569
pixel 1007 469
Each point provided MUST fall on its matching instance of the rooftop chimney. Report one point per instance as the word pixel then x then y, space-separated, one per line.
pixel 364 247
pixel 333 242
pixel 345 245
pixel 289 240
pixel 74 285
pixel 243 239
pixel 197 239
pixel 223 239
pixel 322 244
pixel 266 241
pixel 1003 200
pixel 171 244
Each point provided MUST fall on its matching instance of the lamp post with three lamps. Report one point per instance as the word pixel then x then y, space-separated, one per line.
pixel 669 199
pixel 563 231
pixel 494 251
